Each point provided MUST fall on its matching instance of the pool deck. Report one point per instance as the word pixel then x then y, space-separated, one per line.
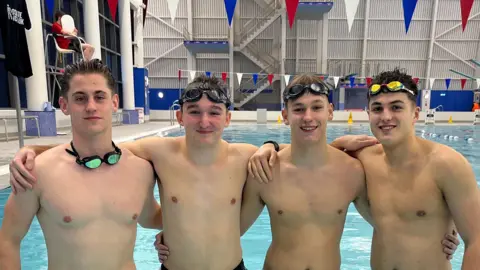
pixel 120 134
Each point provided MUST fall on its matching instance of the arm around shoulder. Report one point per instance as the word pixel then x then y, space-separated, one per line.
pixel 456 180
pixel 252 205
pixel 151 216
pixel 147 148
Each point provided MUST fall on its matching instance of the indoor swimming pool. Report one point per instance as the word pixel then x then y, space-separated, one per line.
pixel 356 240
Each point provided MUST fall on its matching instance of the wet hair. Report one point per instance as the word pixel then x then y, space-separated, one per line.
pixel 304 79
pixel 397 75
pixel 58 14
pixel 94 66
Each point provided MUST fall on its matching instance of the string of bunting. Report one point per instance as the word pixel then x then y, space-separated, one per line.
pixel 351 7
pixel 336 79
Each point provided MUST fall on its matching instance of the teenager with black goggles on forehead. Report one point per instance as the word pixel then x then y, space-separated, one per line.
pixel 419 191
pixel 85 207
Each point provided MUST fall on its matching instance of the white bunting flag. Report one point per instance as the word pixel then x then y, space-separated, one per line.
pixel 239 77
pixel 335 80
pixel 351 9
pixel 192 75
pixel 172 7
pixel 287 79
pixel 432 81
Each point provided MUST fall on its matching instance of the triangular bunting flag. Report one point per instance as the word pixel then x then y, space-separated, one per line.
pixel 478 83
pixel 179 74
pixel 208 73
pixel 322 78
pixel 465 7
pixel 432 81
pixel 172 7
pixel 408 10
pixel 352 81
pixel 112 5
pixel 415 80
pixel 335 80
pixel 368 81
pixel 292 6
pixel 447 82
pixel 287 79
pixel 230 8
pixel 255 77
pixel 270 78
pixel 224 77
pixel 192 75
pixel 239 77
pixel 463 81
pixel 351 9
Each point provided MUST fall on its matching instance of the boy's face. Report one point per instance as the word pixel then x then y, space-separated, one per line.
pixel 392 117
pixel 308 116
pixel 89 103
pixel 204 120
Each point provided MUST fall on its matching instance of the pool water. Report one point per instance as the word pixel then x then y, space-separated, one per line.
pixel 356 240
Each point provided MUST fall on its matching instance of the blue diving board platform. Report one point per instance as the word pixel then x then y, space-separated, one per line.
pixel 200 46
pixel 312 10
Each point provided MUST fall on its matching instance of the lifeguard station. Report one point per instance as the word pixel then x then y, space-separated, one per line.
pixel 68 24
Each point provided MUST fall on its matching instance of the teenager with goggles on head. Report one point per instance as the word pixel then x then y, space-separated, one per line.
pixel 417 189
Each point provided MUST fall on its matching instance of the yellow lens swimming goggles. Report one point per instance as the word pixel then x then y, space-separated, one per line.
pixel 394 86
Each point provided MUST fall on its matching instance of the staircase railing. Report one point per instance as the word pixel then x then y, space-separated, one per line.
pixel 254 23
pixel 261 55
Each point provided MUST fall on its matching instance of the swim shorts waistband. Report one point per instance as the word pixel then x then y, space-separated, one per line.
pixel 240 266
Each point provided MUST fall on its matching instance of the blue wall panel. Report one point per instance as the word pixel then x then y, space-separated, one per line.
pixel 169 96
pixel 452 100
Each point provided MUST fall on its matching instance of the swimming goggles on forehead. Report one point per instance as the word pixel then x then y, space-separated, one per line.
pixel 194 93
pixel 94 162
pixel 297 89
pixel 394 86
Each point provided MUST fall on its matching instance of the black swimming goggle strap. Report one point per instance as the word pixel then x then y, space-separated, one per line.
pixel 79 161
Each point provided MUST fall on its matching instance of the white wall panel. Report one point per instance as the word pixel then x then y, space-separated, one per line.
pixel 155 28
pixel 440 69
pixel 291 49
pixel 167 67
pixel 397 49
pixel 167 83
pixel 308 49
pixel 396 30
pixel 341 49
pixel 338 29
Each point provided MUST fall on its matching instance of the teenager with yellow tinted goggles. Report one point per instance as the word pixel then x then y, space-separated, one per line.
pixel 394 86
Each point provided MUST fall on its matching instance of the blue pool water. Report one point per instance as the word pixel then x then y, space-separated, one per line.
pixel 356 240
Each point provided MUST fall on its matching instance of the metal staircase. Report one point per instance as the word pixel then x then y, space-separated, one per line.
pixel 257 25
pixel 246 97
pixel 264 60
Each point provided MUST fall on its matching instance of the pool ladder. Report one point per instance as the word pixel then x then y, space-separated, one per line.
pixel 438 107
pixel 172 111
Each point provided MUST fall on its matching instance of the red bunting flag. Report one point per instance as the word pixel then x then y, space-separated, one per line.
pixel 369 81
pixel 292 6
pixel 224 77
pixel 466 7
pixel 270 78
pixel 463 81
pixel 112 4
pixel 415 80
pixel 322 78
pixel 179 74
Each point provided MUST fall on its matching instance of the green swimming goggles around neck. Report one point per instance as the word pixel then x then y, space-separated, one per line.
pixel 96 161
